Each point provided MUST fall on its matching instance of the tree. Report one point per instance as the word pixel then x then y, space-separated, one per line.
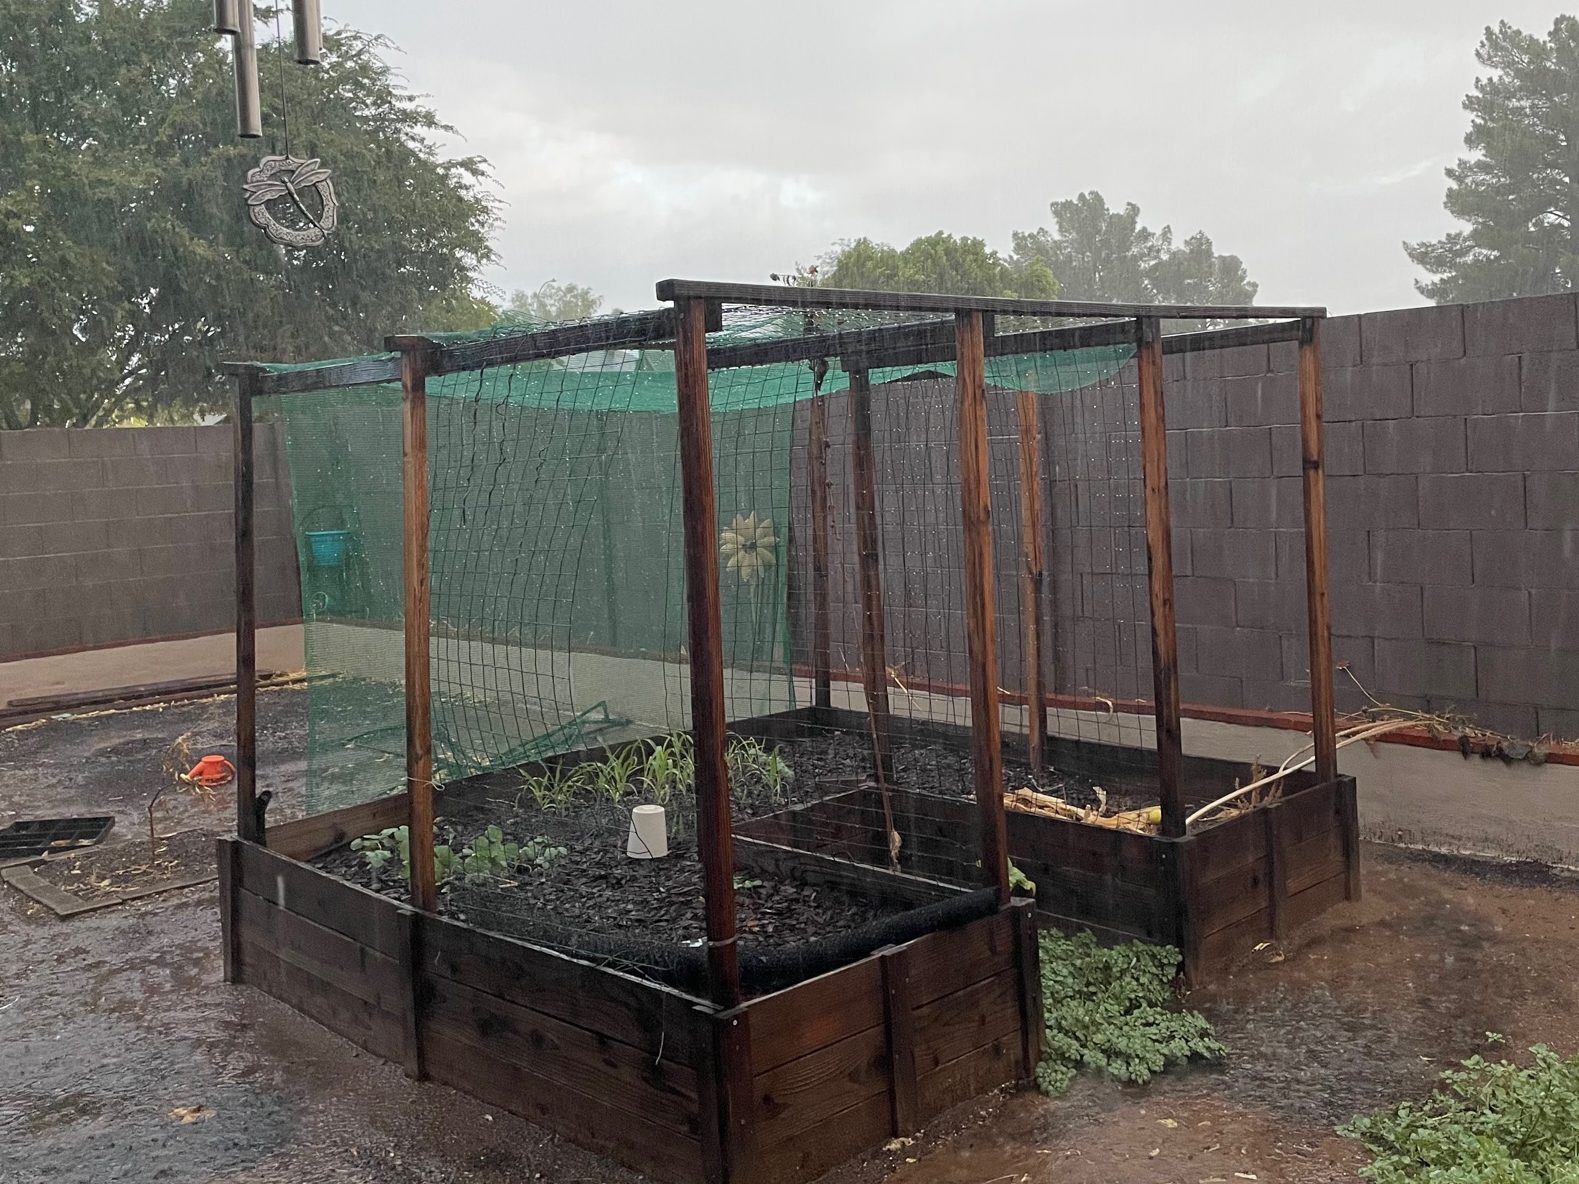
pixel 936 263
pixel 553 301
pixel 129 266
pixel 1517 189
pixel 1103 254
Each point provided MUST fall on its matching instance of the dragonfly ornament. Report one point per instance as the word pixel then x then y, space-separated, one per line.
pixel 292 200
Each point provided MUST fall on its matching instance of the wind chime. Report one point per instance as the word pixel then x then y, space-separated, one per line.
pixel 291 199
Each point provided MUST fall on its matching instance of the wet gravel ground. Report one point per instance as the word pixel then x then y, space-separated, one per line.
pixel 112 1023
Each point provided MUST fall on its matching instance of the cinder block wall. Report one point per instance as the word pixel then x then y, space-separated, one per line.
pixel 1452 446
pixel 124 534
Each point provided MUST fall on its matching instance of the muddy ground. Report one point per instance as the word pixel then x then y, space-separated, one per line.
pixel 115 1026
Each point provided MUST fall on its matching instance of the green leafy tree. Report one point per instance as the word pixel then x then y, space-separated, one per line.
pixel 553 301
pixel 936 263
pixel 128 268
pixel 1102 254
pixel 1517 189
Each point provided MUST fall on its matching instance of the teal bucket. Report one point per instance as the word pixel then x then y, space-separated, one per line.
pixel 327 547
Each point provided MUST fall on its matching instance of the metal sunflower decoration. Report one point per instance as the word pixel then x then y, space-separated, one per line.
pixel 291 200
pixel 747 547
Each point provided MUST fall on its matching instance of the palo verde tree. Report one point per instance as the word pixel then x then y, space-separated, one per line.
pixel 1516 191
pixel 128 268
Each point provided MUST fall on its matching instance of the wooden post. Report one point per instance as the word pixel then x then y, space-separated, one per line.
pixel 1159 564
pixel 821 532
pixel 705 632
pixel 1323 711
pixel 229 923
pixel 419 684
pixel 899 1018
pixel 1033 578
pixel 981 632
pixel 248 821
pixel 874 654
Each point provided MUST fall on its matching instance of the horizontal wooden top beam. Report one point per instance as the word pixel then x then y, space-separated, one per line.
pixel 355 372
pixel 623 331
pixel 784 296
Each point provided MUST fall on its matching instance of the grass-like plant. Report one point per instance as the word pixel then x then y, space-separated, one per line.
pixel 1114 1010
pixel 1487 1122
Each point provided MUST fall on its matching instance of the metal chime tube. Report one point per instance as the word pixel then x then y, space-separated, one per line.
pixel 249 106
pixel 308 19
pixel 225 16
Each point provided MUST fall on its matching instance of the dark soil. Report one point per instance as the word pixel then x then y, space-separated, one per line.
pixel 102 873
pixel 654 907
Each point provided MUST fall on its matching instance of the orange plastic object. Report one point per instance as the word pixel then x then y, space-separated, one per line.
pixel 212 770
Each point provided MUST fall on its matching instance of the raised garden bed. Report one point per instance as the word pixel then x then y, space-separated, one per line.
pixel 653 1076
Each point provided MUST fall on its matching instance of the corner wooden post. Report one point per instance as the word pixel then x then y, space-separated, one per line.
pixel 229 887
pixel 821 532
pixel 1159 564
pixel 704 620
pixel 1323 711
pixel 249 825
pixel 1034 577
pixel 419 684
pixel 1033 1024
pixel 874 656
pixel 981 631
pixel 899 1019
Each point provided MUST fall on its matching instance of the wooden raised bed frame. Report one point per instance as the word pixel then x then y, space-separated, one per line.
pixel 1215 893
pixel 784 1086
pixel 662 1081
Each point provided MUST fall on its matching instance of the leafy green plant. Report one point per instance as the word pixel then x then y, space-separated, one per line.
pixel 1020 882
pixel 749 759
pixel 541 853
pixel 489 856
pixel 1487 1121
pixel 614 776
pixel 1113 1010
pixel 382 850
pixel 552 789
pixel 669 768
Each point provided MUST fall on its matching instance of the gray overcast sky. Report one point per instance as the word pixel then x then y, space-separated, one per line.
pixel 633 141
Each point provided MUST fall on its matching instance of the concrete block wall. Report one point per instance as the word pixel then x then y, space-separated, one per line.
pixel 125 534
pixel 1452 446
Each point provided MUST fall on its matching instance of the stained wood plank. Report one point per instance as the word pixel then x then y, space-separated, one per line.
pixel 417 616
pixel 584 1119
pixel 357 372
pixel 1057 842
pixel 248 821
pixel 737 1092
pixel 229 887
pixel 801 1094
pixel 341 1012
pixel 1029 959
pixel 712 1111
pixel 309 837
pixel 624 1078
pixel 874 655
pixel 821 535
pixel 900 1022
pixel 1311 813
pixel 704 630
pixel 322 953
pixel 1033 577
pixel 1232 943
pixel 968 1077
pixel 1234 895
pixel 981 627
pixel 798 1158
pixel 818 870
pixel 646 1016
pixel 1102 899
pixel 1323 710
pixel 1277 868
pixel 1311 902
pixel 946 962
pixel 363 916
pixel 952 1026
pixel 1349 802
pixel 1313 860
pixel 1159 568
pixel 779 296
pixel 815 1013
pixel 413 994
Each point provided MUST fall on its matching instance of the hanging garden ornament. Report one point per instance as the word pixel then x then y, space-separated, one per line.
pixel 292 200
